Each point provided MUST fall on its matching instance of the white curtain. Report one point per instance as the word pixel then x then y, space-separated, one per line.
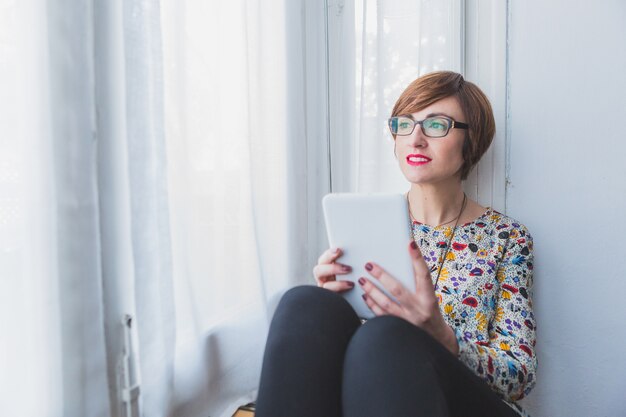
pixel 52 350
pixel 151 166
pixel 237 190
pixel 166 160
pixel 377 48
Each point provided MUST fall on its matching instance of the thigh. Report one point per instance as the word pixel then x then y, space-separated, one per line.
pixel 395 368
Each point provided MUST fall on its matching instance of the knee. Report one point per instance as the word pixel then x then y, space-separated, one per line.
pixel 388 327
pixel 304 297
pixel 313 301
pixel 309 311
pixel 390 335
pixel 301 294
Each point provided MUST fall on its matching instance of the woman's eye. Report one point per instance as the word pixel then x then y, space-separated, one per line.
pixel 404 125
pixel 437 124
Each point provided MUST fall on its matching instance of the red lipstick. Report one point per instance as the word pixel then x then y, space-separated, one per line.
pixel 416 159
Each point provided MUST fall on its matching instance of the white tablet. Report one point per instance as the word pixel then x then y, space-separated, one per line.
pixel 370 227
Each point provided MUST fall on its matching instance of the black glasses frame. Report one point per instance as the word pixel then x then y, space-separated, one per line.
pixel 453 124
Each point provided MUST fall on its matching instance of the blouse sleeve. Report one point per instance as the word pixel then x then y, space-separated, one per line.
pixel 507 362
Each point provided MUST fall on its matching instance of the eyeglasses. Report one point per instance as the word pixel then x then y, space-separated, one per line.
pixel 433 127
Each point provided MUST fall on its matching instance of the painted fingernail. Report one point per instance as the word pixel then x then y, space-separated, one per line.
pixel 364 296
pixel 350 284
pixel 413 244
pixel 362 281
pixel 368 266
pixel 346 268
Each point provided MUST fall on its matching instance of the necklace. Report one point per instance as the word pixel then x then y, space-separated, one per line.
pixel 439 225
pixel 456 223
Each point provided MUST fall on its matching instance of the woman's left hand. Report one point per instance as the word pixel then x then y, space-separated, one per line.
pixel 420 308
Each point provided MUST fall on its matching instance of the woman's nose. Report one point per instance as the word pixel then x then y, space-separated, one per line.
pixel 417 138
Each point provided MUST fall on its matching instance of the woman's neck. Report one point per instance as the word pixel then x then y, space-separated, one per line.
pixel 436 204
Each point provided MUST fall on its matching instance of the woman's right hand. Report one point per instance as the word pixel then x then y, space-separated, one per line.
pixel 326 270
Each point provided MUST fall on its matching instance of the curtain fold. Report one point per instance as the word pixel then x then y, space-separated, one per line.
pixel 149 204
pixel 74 143
pixel 52 348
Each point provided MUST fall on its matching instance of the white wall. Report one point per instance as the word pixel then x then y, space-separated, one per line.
pixel 567 183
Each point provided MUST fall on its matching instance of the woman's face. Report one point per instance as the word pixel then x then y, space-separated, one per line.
pixel 425 160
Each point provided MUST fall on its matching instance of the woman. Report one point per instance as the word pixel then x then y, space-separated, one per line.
pixel 463 343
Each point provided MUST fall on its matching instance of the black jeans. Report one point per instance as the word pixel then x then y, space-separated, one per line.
pixel 321 362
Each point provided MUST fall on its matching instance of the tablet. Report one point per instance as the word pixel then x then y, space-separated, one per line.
pixel 370 227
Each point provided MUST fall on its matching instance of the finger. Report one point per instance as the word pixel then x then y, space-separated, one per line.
pixel 338 286
pixel 327 272
pixel 391 284
pixel 380 298
pixel 420 267
pixel 376 309
pixel 329 255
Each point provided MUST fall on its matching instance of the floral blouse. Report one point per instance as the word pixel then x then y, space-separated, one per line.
pixel 485 291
